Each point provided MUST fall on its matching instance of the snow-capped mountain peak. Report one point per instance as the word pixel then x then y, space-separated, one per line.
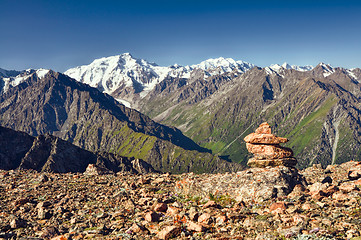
pixel 286 66
pixel 327 69
pixel 13 81
pixel 302 68
pixel 276 68
pixel 110 74
pixel 225 64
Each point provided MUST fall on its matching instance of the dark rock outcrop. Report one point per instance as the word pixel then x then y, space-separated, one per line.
pixel 13 147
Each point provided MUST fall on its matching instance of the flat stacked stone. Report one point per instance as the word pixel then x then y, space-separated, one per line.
pixel 267 149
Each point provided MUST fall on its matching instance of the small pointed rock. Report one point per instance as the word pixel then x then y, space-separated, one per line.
pixel 264 128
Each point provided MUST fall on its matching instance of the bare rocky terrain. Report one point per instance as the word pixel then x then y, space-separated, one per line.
pixel 282 203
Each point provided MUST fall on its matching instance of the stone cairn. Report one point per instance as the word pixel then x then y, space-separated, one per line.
pixel 267 150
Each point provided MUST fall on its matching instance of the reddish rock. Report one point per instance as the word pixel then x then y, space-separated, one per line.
pixel 262 151
pixel 339 196
pixel 173 210
pixel 192 226
pixel 318 195
pixel 298 190
pixel 160 207
pixel 278 207
pixel 317 186
pixel 264 139
pixel 265 146
pixel 137 228
pixel 93 169
pixel 169 232
pixel 211 204
pixel 348 187
pixel 61 237
pixel 193 215
pixel 331 190
pixel 264 128
pixel 152 217
pixel 205 218
pixel 306 206
pixel 355 172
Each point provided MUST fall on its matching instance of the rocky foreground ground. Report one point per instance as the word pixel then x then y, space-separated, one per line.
pixel 314 203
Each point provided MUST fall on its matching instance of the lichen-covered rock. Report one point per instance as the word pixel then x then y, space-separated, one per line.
pixel 269 152
pixel 264 138
pixel 288 162
pixel 256 184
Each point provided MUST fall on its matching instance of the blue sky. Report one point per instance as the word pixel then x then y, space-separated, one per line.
pixel 63 34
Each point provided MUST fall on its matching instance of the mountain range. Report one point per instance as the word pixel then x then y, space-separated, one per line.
pixel 129 79
pixel 215 104
pixel 47 102
pixel 219 101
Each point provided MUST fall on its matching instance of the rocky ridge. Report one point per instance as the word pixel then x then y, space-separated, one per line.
pixel 326 204
pixel 46 153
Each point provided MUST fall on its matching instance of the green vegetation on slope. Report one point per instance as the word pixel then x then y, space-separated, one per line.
pixel 309 129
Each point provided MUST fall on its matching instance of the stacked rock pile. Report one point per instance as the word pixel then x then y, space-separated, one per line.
pixel 267 149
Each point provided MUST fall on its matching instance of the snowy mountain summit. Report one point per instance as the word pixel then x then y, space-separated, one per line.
pixel 278 68
pixel 16 77
pixel 222 65
pixel 122 76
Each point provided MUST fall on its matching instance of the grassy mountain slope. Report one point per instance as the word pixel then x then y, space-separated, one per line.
pixel 320 115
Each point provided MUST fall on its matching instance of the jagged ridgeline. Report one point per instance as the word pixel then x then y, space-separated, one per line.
pixel 56 104
pixel 318 110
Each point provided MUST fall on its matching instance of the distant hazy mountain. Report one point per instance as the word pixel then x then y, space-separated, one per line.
pixel 8 73
pixel 48 102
